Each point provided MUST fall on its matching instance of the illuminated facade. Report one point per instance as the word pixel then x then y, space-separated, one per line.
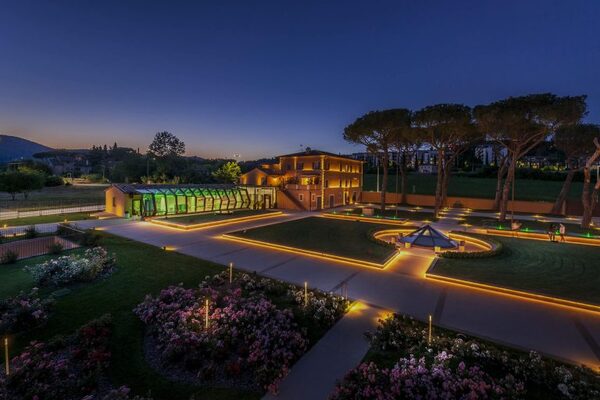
pixel 310 180
pixel 159 200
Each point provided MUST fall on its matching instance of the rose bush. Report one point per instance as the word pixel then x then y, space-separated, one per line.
pixel 62 369
pixel 73 268
pixel 246 331
pixel 456 366
pixel 22 312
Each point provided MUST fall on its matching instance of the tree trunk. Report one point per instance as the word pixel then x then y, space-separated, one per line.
pixel 586 218
pixel 506 188
pixel 447 172
pixel 501 173
pixel 564 192
pixel 403 183
pixel 438 185
pixel 588 201
pixel 384 181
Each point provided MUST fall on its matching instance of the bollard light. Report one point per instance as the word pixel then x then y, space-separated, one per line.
pixel 230 273
pixel 305 294
pixel 206 314
pixel 6 360
pixel 429 336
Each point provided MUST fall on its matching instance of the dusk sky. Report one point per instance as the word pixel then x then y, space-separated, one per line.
pixel 262 78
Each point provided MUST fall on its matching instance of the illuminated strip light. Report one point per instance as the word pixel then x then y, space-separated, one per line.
pixel 314 254
pixel 542 236
pixel 519 294
pixel 215 223
pixel 372 220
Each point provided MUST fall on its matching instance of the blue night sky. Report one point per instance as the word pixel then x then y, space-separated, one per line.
pixel 261 78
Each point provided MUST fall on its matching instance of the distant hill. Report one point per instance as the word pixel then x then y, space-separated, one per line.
pixel 15 148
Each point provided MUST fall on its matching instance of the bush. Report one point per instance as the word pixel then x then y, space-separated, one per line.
pixel 73 268
pixel 91 239
pixel 9 257
pixel 62 369
pixel 23 312
pixel 31 232
pixel 55 248
pixel 53 180
pixel 245 333
pixel 456 366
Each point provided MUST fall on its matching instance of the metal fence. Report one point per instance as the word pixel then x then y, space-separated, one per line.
pixel 27 212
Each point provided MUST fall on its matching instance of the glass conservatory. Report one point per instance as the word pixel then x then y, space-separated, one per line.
pixel 163 200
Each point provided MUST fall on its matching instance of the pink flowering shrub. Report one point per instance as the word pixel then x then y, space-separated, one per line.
pixel 454 366
pixel 22 312
pixel 62 369
pixel 121 393
pixel 63 270
pixel 246 331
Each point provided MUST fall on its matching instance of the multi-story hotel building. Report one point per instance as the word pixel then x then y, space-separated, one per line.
pixel 310 180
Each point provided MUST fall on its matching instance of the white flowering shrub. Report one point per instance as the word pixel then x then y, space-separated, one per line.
pixel 73 268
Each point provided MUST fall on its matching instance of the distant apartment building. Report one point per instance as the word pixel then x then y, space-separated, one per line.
pixel 310 180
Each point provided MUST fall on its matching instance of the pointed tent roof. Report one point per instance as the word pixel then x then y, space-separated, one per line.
pixel 427 236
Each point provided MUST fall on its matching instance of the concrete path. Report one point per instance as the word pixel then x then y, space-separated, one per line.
pixel 342 348
pixel 558 332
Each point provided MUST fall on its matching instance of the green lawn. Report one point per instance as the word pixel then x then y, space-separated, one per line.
pixel 325 235
pixel 530 226
pixel 395 214
pixel 462 186
pixel 141 269
pixel 211 216
pixel 561 270
pixel 52 197
pixel 44 219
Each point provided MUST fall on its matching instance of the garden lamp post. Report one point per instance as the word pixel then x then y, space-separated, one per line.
pixel 6 360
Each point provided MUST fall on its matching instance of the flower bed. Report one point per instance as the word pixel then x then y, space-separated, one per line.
pixel 23 312
pixel 401 365
pixel 62 369
pixel 63 270
pixel 257 328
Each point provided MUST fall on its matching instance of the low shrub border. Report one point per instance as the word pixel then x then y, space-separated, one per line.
pixel 402 364
pixel 496 248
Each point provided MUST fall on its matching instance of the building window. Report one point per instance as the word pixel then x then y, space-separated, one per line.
pixel 288 167
pixel 326 183
pixel 300 166
pixel 114 202
pixel 327 165
pixel 313 197
pixel 317 165
pixel 301 197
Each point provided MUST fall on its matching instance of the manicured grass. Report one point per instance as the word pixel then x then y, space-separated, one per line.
pixel 530 226
pixel 45 219
pixel 326 235
pixel 560 270
pixel 52 197
pixel 212 217
pixel 462 186
pixel 397 214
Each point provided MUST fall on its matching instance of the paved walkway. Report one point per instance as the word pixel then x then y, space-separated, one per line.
pixel 562 333
pixel 342 348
